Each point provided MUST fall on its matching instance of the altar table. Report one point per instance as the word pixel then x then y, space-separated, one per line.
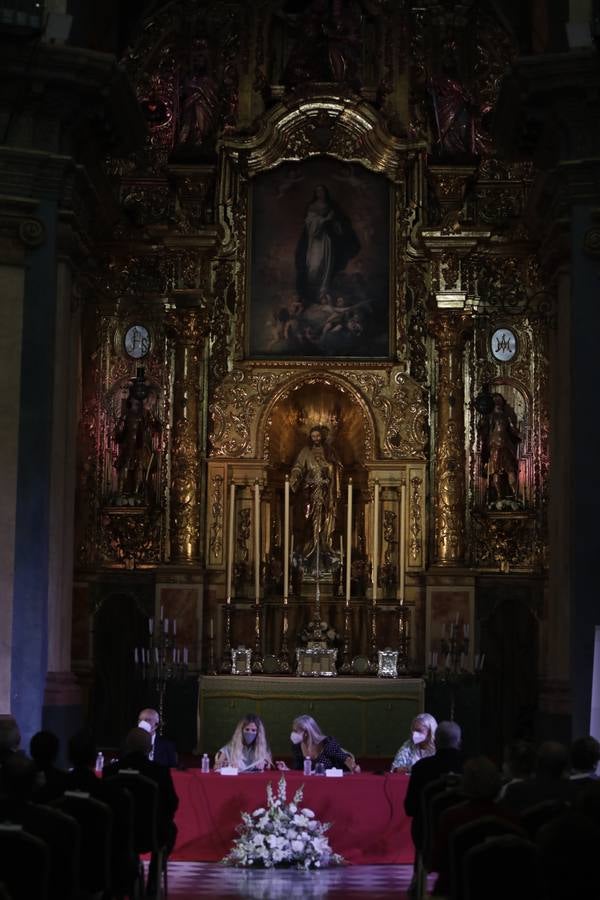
pixel 366 811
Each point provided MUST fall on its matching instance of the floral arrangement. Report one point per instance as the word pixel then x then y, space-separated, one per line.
pixel 317 631
pixel 282 834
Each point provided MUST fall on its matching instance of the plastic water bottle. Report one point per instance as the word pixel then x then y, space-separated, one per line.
pixel 205 763
pixel 307 765
pixel 100 762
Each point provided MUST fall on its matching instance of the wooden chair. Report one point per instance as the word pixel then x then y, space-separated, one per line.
pixel 499 868
pixel 25 863
pixel 534 817
pixel 468 836
pixel 95 821
pixel 145 823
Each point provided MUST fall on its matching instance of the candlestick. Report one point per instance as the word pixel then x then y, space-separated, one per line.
pixel 375 565
pixel 402 541
pixel 286 535
pixel 349 542
pixel 151 626
pixel 230 539
pixel 256 542
pixel 174 627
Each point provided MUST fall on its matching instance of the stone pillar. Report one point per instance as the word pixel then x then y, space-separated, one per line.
pixel 188 330
pixel 12 277
pixel 450 328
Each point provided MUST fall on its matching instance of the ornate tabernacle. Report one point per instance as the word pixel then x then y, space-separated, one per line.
pixel 314 409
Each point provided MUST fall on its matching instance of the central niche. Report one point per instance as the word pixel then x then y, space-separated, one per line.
pixel 317 437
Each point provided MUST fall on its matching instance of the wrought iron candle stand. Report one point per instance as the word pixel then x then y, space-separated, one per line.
pixel 162 661
pixel 346 667
pixel 284 652
pixel 403 638
pixel 455 648
pixel 211 656
pixel 257 657
pixel 225 665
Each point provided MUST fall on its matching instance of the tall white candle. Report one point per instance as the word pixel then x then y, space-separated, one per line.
pixel 286 535
pixel 375 563
pixel 230 539
pixel 211 628
pixel 256 542
pixel 348 542
pixel 402 541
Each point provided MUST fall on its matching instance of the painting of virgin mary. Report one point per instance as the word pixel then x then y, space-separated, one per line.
pixel 319 280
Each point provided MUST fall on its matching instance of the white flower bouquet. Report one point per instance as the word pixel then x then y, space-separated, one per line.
pixel 282 834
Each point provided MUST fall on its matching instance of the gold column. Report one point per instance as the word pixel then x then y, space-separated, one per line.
pixel 187 329
pixel 451 329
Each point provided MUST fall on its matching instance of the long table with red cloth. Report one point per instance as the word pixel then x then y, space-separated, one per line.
pixel 366 811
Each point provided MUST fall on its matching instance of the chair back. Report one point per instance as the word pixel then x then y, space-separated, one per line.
pixel 438 805
pixel 145 808
pixel 471 835
pixel 25 863
pixel 62 835
pixel 95 821
pixel 123 858
pixel 534 817
pixel 501 867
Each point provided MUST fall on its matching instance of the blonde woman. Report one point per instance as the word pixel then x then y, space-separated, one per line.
pixel 323 751
pixel 420 744
pixel 248 750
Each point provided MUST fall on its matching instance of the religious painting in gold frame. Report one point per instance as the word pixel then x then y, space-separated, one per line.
pixel 319 274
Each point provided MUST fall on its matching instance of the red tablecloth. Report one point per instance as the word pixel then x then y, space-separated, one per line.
pixel 366 812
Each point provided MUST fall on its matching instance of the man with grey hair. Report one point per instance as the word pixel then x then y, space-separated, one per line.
pixel 162 751
pixel 446 759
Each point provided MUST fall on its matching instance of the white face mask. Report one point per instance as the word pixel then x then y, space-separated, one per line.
pixel 250 736
pixel 295 737
pixel 418 737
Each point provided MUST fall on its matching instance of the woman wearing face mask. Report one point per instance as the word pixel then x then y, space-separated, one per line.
pixel 420 744
pixel 309 741
pixel 248 750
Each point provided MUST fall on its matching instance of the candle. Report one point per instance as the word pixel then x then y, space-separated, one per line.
pixel 435 660
pixel 447 660
pixel 156 654
pixel 256 542
pixel 401 542
pixel 482 660
pixel 349 542
pixel 211 628
pixel 457 618
pixel 375 563
pixel 166 626
pixel 174 627
pixel 466 631
pixel 162 612
pixel 151 626
pixel 230 539
pixel 135 655
pixel 185 656
pixel 286 534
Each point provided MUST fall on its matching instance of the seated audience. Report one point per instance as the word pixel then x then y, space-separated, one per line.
pixel 481 783
pixel 82 752
pixel 519 763
pixel 10 737
pixel 248 749
pixel 52 782
pixel 567 857
pixel 584 757
pixel 163 751
pixel 323 751
pixel 548 783
pixel 420 744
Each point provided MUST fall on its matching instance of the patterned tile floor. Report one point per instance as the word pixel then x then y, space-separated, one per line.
pixel 189 880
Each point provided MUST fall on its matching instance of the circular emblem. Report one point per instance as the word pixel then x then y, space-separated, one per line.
pixel 137 341
pixel 503 344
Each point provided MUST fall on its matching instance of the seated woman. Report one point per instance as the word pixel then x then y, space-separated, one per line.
pixel 248 750
pixel 309 741
pixel 420 744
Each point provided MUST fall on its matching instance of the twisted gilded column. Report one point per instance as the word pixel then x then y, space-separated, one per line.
pixel 451 328
pixel 187 328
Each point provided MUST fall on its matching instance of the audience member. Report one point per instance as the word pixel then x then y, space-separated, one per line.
pixel 52 782
pixel 549 781
pixel 447 758
pixel 519 763
pixel 324 751
pixel 248 750
pixel 163 751
pixel 82 752
pixel 10 737
pixel 584 756
pixel 567 860
pixel 419 745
